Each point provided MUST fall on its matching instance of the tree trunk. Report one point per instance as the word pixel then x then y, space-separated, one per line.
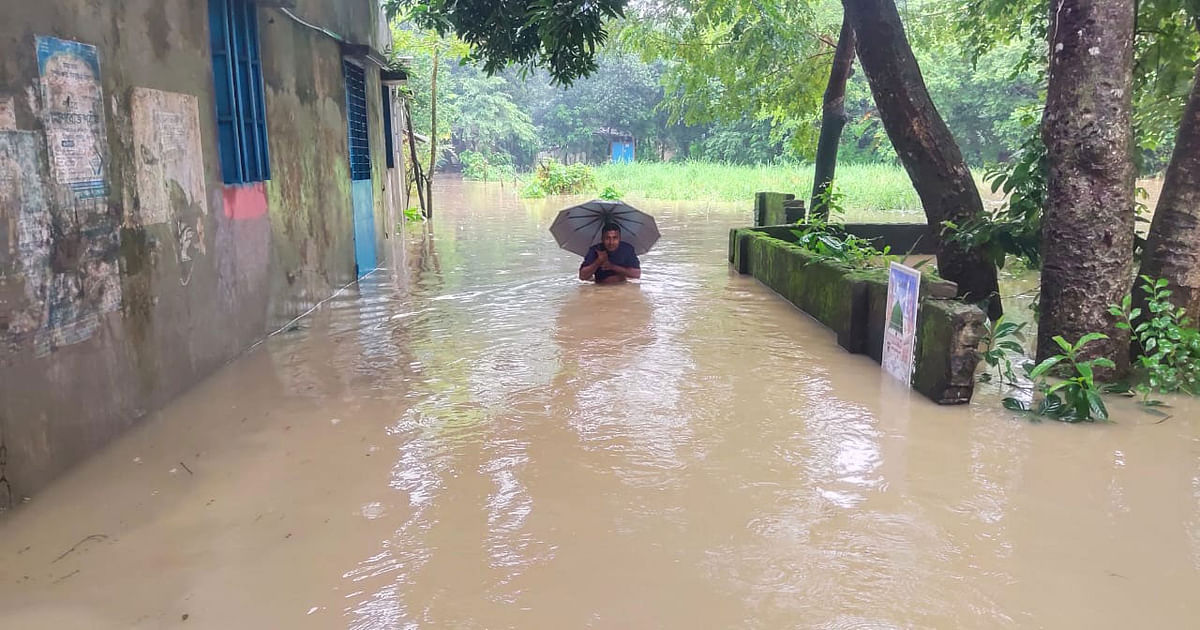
pixel 432 135
pixel 928 151
pixel 1173 249
pixel 1087 226
pixel 833 119
pixel 412 149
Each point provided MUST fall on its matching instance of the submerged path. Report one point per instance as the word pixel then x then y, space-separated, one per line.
pixel 476 440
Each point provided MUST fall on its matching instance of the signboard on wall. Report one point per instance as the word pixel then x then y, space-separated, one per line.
pixel 900 323
pixel 73 110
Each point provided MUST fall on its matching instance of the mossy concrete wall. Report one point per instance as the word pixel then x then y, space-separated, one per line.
pixel 851 302
pixel 111 306
pixel 903 238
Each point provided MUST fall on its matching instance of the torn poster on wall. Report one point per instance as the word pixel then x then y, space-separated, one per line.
pixel 63 272
pixel 73 113
pixel 170 169
pixel 8 114
pixel 67 238
pixel 24 234
pixel 166 135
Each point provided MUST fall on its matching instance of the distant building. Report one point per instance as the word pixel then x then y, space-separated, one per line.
pixel 177 178
pixel 620 144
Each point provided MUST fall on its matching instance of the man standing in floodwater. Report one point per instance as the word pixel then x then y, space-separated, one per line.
pixel 612 260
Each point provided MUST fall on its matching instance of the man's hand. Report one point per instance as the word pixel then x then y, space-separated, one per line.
pixel 587 271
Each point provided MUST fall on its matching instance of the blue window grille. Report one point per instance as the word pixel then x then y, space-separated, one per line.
pixel 238 91
pixel 356 120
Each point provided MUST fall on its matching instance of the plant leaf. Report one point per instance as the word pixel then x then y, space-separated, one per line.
pixel 1045 366
pixel 1011 346
pixel 1089 338
pixel 1085 370
pixel 1051 406
pixel 1096 408
pixel 1012 404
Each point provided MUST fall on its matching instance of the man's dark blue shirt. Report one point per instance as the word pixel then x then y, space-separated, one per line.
pixel 623 256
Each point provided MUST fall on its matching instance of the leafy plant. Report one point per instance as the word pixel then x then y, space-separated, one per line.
pixel 552 178
pixel 486 166
pixel 610 193
pixel 1169 359
pixel 1016 227
pixel 413 214
pixel 1002 340
pixel 1074 399
pixel 828 239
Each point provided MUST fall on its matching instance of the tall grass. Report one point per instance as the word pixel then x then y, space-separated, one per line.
pixel 872 187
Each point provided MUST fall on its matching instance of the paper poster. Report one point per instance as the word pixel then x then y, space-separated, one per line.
pixel 170 165
pixel 8 114
pixel 900 325
pixel 73 110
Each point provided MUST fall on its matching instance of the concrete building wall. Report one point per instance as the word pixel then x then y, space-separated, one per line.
pixel 119 292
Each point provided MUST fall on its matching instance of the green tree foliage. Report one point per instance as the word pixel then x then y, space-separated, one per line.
pixel 732 60
pixel 483 116
pixel 475 111
pixel 623 95
pixel 1166 44
pixel 562 36
pixel 419 45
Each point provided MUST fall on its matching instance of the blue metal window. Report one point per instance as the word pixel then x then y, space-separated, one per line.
pixel 356 121
pixel 238 91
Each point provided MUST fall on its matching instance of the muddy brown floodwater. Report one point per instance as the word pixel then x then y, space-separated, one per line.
pixel 474 439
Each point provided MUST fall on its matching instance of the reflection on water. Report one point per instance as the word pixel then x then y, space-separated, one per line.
pixel 471 438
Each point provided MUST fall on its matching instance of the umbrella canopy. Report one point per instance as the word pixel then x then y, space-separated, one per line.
pixel 579 227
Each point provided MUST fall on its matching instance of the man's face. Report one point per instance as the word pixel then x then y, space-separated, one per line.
pixel 611 239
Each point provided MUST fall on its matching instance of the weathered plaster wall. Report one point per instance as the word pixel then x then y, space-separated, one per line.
pixel 116 299
pixel 309 192
pixel 353 20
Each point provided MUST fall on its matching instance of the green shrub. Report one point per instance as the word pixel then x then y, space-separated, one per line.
pixel 552 178
pixel 1074 399
pixel 610 194
pixel 828 239
pixel 486 166
pixel 1170 346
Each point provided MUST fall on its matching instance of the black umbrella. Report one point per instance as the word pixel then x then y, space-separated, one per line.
pixel 579 227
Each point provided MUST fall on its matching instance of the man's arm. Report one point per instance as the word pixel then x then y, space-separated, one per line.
pixel 631 269
pixel 588 269
pixel 633 273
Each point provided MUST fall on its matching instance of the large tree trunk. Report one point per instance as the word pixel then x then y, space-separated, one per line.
pixel 928 151
pixel 1173 249
pixel 1087 227
pixel 833 118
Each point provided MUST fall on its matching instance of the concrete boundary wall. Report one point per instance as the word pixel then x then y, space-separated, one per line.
pixel 851 302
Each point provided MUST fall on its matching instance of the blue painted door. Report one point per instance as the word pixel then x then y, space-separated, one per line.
pixel 360 168
pixel 622 151
pixel 364 226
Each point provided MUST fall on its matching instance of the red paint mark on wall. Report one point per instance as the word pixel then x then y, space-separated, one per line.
pixel 247 201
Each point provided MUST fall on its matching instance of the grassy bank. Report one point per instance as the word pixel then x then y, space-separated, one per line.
pixel 875 187
pixel 870 188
